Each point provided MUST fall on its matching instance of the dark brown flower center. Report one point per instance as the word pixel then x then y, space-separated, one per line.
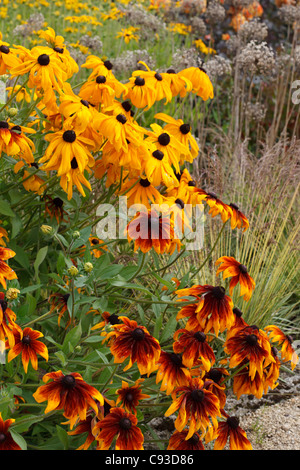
pixel 197 395
pixel 85 103
pixel 100 79
pixel 158 76
pixel 243 269
pixel 114 319
pixel 108 64
pixel 95 241
pixel 68 381
pixel 66 297
pixel 251 340
pixel 69 136
pixel 200 336
pixel 179 203
pixel 121 118
pixel 129 396
pixel 289 338
pixel 126 106
pixel 233 422
pixel 43 59
pixel 138 334
pixel 215 375
pixel 185 128
pixel 218 292
pixel 125 423
pixel 176 359
pixel 2 437
pixel 26 339
pixel 194 439
pixel 139 81
pixel 58 202
pixel 237 312
pixel 164 139
pixel 234 206
pixel 171 71
pixel 212 195
pixel 16 129
pixel 4 49
pixel 3 305
pixel 74 163
pixel 192 183
pixel 158 154
pixel 3 125
pixel 58 49
pixel 144 182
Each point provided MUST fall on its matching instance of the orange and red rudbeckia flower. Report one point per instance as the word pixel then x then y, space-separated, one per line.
pixel 130 395
pixel 249 344
pixel 59 302
pixel 178 441
pixel 238 219
pixel 27 344
pixel 7 322
pixel 214 309
pixel 194 348
pixel 149 229
pixel 6 273
pixel 6 440
pixel 276 335
pixel 83 427
pixel 70 393
pixel 238 273
pixel 172 373
pixel 231 429
pixel 133 341
pixel 196 406
pixel 119 425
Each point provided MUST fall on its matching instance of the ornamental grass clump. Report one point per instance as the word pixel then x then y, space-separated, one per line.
pixel 109 314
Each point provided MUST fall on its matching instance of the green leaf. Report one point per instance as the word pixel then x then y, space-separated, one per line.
pixel 157 326
pixel 109 272
pixel 63 436
pixel 41 255
pixel 127 285
pixel 5 208
pixel 60 355
pixel 21 256
pixel 16 225
pixel 168 329
pixel 31 303
pixel 18 439
pixel 73 337
pixel 30 288
pixel 60 263
pixel 25 423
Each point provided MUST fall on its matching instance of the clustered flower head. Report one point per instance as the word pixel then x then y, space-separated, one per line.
pixel 257 58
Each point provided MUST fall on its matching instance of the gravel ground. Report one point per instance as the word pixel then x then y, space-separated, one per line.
pixel 274 427
pixel 271 423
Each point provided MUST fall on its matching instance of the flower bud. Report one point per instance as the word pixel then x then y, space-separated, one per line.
pixel 12 293
pixel 46 229
pixel 13 112
pixel 73 271
pixel 76 234
pixel 88 267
